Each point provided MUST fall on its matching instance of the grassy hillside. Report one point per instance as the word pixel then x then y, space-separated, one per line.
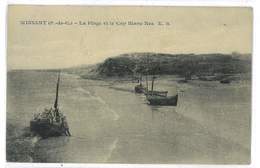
pixel 168 64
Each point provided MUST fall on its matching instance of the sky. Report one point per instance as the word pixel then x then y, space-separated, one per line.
pixel 189 30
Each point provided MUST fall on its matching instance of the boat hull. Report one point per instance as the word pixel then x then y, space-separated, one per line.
pixel 46 129
pixel 163 101
pixel 157 93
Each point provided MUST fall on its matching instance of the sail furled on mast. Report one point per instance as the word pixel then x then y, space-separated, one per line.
pixel 57 92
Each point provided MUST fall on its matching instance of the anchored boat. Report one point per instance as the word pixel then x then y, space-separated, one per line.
pixel 162 101
pixel 50 122
pixel 140 88
pixel 154 97
pixel 160 97
pixel 225 81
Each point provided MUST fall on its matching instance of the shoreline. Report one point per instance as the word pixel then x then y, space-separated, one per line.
pixel 218 108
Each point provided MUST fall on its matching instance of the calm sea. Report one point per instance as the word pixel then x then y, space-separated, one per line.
pixel 111 124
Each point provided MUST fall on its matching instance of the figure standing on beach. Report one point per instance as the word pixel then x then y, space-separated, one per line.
pixel 65 125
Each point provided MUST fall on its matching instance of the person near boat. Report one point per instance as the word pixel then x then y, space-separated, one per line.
pixel 65 125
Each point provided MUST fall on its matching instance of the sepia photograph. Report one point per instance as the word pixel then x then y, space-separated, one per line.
pixel 129 84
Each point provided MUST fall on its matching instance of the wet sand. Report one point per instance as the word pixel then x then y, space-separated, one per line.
pixel 111 124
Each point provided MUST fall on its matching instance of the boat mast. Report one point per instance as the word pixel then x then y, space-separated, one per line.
pixel 146 81
pixel 152 82
pixel 141 78
pixel 57 93
pixel 146 76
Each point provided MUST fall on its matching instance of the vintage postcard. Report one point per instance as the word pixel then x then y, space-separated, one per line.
pixel 129 84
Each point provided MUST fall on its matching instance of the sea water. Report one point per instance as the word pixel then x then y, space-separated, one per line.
pixel 211 123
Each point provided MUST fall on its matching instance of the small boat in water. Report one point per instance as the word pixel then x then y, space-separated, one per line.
pixel 155 97
pixel 160 97
pixel 162 100
pixel 51 122
pixel 157 93
pixel 140 88
pixel 225 81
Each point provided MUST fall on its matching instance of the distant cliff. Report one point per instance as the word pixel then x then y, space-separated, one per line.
pixel 170 64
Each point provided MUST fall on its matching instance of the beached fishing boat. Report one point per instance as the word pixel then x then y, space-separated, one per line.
pixel 155 97
pixel 162 100
pixel 157 93
pixel 160 97
pixel 50 122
